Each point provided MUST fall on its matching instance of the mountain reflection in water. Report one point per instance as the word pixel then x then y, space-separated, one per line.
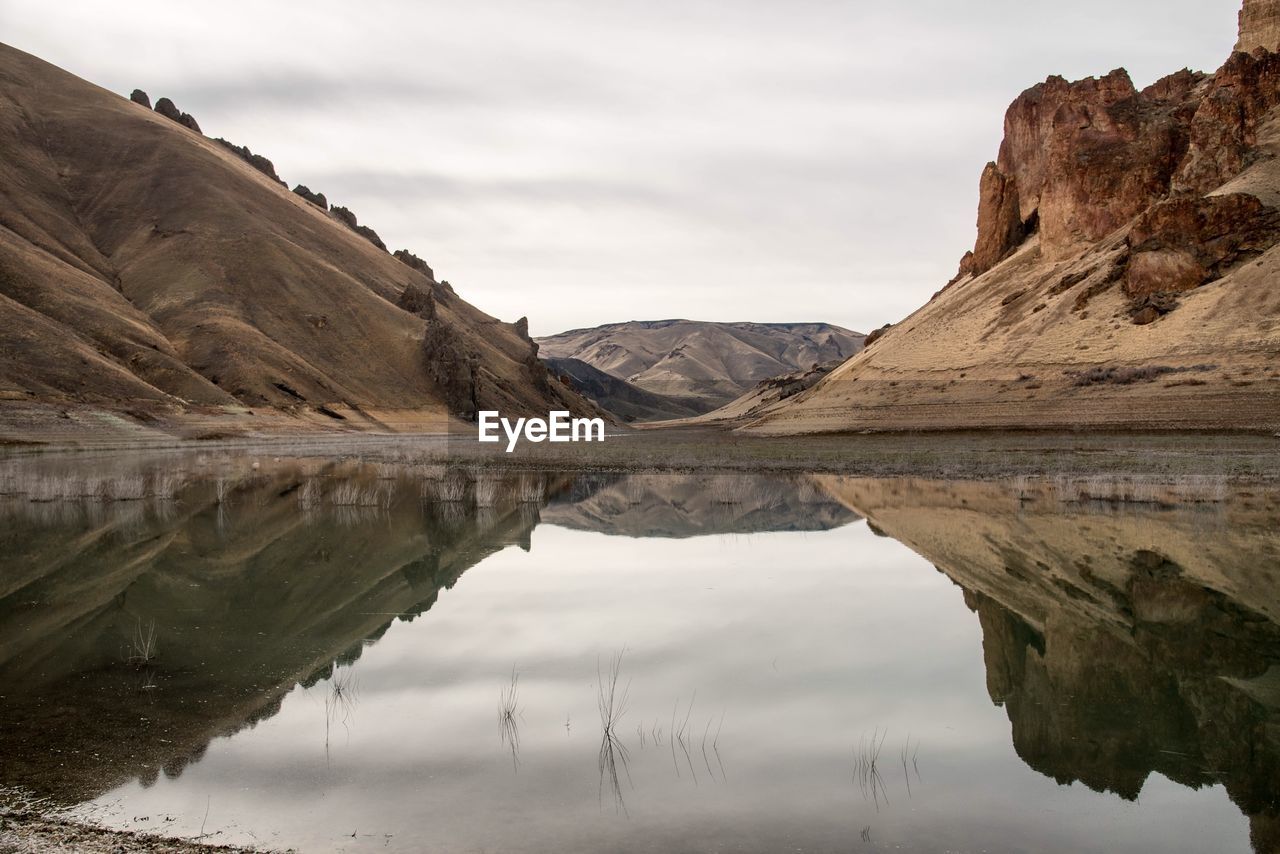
pixel 1126 628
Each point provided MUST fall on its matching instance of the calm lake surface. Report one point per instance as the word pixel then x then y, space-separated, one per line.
pixel 340 656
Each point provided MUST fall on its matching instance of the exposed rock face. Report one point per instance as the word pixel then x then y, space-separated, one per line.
pixel 257 161
pixel 522 328
pixel 410 260
pixel 453 368
pixel 876 334
pixel 169 110
pixel 1000 228
pixel 419 301
pixel 1181 244
pixel 140 97
pixel 317 199
pixel 1080 160
pixel 1225 124
pixel 347 218
pixel 1259 26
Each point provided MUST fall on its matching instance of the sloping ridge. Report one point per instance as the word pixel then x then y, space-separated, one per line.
pixel 144 266
pixel 712 362
pixel 626 400
pixel 1124 274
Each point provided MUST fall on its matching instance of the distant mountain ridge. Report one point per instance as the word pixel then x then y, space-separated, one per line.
pixel 706 363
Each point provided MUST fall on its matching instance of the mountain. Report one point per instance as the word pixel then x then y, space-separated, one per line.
pixel 150 271
pixel 626 400
pixel 1124 273
pixel 711 363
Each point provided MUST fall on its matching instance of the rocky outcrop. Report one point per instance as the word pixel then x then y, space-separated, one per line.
pixel 140 97
pixel 257 161
pixel 876 334
pixel 1081 159
pixel 1224 126
pixel 316 199
pixel 413 261
pixel 1000 225
pixel 1259 26
pixel 169 110
pixel 347 218
pixel 1181 244
pixel 454 369
pixel 419 301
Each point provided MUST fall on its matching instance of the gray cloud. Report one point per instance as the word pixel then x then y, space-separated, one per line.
pixel 586 162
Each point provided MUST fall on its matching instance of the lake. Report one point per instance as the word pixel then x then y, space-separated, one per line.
pixel 333 655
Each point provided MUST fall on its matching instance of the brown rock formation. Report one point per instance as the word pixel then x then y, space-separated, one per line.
pixel 876 334
pixel 419 301
pixel 1088 156
pixel 347 218
pixel 170 111
pixel 140 97
pixel 1225 124
pixel 1000 228
pixel 316 199
pixel 413 261
pixel 1181 244
pixel 1259 26
pixel 257 161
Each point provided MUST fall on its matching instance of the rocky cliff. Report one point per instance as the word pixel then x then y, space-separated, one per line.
pixel 1259 26
pixel 1122 232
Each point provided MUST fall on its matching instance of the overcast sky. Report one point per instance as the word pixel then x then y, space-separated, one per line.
pixel 594 161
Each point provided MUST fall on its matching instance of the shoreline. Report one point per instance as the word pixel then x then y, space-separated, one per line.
pixel 959 455
pixel 30 831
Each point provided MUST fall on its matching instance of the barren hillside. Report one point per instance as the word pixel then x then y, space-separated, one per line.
pixel 148 270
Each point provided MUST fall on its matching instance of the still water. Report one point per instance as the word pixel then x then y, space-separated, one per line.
pixel 346 657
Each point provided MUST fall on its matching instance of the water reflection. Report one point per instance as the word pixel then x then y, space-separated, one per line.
pixel 1128 629
pixel 1120 642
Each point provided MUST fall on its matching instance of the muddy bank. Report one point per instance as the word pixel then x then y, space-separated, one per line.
pixel 25 832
